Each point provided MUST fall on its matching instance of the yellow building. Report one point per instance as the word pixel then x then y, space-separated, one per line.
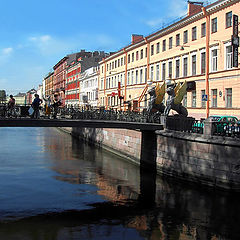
pixel 49 84
pixel 198 49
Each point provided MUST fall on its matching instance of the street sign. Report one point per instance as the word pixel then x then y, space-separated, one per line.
pixel 204 97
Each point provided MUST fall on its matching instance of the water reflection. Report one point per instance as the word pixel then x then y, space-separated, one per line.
pixel 179 211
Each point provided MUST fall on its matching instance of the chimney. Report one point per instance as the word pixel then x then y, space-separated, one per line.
pixel 136 38
pixel 194 7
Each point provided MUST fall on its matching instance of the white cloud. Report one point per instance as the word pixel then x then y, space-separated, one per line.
pixel 40 39
pixel 155 22
pixel 7 51
pixel 177 8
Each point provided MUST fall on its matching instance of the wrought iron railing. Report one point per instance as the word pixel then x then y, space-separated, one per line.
pixel 226 129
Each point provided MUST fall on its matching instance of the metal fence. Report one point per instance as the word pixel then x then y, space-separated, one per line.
pixel 226 129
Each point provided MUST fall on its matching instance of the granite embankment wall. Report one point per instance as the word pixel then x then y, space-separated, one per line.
pixel 208 160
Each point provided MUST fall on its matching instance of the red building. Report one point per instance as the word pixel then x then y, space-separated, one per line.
pixel 77 63
pixel 30 96
pixel 59 78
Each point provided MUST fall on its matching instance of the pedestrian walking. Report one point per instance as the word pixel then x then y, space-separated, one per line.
pixel 35 105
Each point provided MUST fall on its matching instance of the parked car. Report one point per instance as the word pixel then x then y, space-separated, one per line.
pixel 221 123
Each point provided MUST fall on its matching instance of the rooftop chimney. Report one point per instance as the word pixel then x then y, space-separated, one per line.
pixel 194 7
pixel 136 38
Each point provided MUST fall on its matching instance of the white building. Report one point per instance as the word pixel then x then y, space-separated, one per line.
pixel 89 87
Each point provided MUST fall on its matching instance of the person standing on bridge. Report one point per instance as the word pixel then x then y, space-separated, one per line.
pixel 11 106
pixel 56 104
pixel 35 105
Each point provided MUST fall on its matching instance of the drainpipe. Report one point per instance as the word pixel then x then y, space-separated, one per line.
pixel 207 16
pixel 125 84
pixel 104 81
pixel 148 57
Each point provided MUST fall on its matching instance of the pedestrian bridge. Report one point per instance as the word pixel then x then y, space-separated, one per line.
pixel 27 122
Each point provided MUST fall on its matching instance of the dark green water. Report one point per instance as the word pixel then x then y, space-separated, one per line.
pixel 55 187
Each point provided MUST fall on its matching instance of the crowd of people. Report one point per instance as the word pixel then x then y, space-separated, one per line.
pixel 51 106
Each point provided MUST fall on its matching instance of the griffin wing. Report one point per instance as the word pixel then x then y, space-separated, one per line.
pixel 177 88
pixel 180 93
pixel 160 92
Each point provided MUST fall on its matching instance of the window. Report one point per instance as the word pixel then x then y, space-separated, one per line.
pixel 194 33
pixel 228 97
pixel 133 57
pixel 203 92
pixel 136 76
pixel 170 42
pixel 152 50
pixel 128 59
pixel 185 36
pixel 164 45
pixel 185 100
pixel 141 75
pixel 177 39
pixel 194 64
pixel 203 63
pixel 177 68
pixel 194 98
pixel 158 48
pixel 163 71
pixel 111 83
pixel 121 80
pixel 121 61
pixel 132 77
pixel 141 54
pixel 151 77
pixel 203 30
pixel 146 52
pixel 185 66
pixel 170 69
pixel 229 57
pixel 157 73
pixel 214 98
pixel 214 60
pixel 137 55
pixel 128 78
pixel 145 75
pixel 228 19
pixel 214 25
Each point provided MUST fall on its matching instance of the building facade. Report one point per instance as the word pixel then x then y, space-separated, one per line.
pixel 77 64
pixel 89 87
pixel 72 84
pixel 49 84
pixel 20 98
pixel 197 49
pixel 59 78
pixel 30 96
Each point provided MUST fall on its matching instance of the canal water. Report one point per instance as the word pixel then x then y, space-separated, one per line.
pixel 55 187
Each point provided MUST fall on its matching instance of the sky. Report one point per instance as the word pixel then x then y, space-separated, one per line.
pixel 35 35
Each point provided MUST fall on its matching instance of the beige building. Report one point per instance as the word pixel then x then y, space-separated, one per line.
pixel 198 49
pixel 20 99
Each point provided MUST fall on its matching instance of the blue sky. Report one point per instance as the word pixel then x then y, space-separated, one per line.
pixel 35 35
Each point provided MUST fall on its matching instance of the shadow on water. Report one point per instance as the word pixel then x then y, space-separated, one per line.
pixel 137 203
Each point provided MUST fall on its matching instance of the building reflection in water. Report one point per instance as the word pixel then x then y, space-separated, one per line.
pixel 181 211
